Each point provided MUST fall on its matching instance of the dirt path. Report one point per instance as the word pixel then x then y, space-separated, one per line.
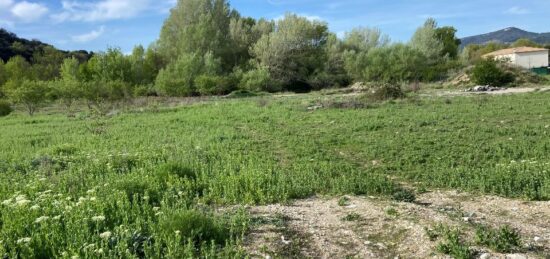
pixel 515 90
pixel 368 227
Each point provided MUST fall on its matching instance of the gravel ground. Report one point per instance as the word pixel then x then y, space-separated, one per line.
pixel 369 227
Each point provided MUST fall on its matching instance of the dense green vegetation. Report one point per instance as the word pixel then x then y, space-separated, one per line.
pixel 148 182
pixel 207 48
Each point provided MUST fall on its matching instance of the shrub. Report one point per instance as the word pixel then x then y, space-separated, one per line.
pixel 489 72
pixel 5 108
pixel 212 85
pixel 177 169
pixel 352 217
pixel 385 91
pixel 453 245
pixel 259 80
pixel 196 227
pixel 404 195
pixel 504 240
pixel 142 190
pixel 30 94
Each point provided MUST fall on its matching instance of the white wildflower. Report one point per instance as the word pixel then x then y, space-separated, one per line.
pixel 156 208
pixel 82 199
pixel 22 203
pixel 98 218
pixel 90 191
pixel 41 219
pixel 93 198
pixel 58 217
pixel 24 240
pixel 20 198
pixel 6 202
pixel 35 207
pixel 106 235
pixel 178 232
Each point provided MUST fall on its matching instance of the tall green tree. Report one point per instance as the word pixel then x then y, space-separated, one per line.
pixel 198 26
pixel 18 69
pixel 68 88
pixel 178 78
pixel 365 38
pixel 358 42
pixel 451 44
pixel 294 51
pixel 394 64
pixel 137 66
pixel 46 63
pixel 3 77
pixel 153 62
pixel 426 41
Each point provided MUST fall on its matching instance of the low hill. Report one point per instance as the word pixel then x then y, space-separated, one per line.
pixel 11 45
pixel 508 35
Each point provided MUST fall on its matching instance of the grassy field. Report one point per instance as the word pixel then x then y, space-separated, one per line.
pixel 159 182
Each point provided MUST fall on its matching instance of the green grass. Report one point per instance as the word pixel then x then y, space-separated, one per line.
pixel 137 168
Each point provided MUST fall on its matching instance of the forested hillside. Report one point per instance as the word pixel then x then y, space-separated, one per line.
pixel 507 36
pixel 11 45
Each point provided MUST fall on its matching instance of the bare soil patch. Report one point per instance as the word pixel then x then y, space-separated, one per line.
pixel 369 227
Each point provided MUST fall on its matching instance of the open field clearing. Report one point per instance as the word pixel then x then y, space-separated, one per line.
pixel 265 176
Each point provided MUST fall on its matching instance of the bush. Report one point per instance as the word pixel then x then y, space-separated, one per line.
pixel 404 195
pixel 196 227
pixel 325 80
pixel 489 72
pixel 212 85
pixel 5 108
pixel 504 240
pixel 259 80
pixel 177 169
pixel 385 91
pixel 31 94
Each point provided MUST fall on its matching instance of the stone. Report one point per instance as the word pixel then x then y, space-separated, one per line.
pixel 517 256
pixel 485 256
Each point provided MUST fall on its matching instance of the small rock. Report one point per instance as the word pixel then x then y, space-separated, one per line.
pixel 368 242
pixel 485 256
pixel 537 239
pixel 516 256
pixel 286 242
pixel 466 219
pixel 381 246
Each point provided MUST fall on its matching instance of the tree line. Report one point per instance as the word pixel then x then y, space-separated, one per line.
pixel 207 48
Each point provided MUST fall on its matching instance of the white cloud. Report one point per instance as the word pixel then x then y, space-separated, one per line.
pixel 517 10
pixel 103 10
pixel 89 36
pixel 309 17
pixel 5 4
pixel 28 12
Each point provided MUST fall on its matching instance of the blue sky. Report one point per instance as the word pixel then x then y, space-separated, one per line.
pixel 97 24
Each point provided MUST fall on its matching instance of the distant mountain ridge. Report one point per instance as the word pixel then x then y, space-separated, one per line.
pixel 508 35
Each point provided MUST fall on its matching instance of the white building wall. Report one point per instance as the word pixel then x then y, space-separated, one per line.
pixel 532 59
pixel 510 58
